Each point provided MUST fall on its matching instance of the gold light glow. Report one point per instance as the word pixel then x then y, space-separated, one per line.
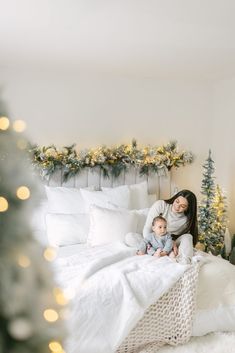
pixel 60 297
pixel 23 193
pixel 50 254
pixel 3 204
pixel 55 347
pixel 24 261
pixel 19 125
pixel 4 123
pixel 50 315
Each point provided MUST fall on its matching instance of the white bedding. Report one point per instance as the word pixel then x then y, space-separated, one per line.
pixel 112 283
pixel 113 290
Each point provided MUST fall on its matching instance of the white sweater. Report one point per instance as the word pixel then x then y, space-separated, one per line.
pixel 176 222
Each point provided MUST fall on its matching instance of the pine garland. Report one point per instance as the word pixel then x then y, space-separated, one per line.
pixel 112 161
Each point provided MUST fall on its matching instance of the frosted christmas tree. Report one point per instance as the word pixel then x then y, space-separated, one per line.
pixel 212 216
pixel 31 305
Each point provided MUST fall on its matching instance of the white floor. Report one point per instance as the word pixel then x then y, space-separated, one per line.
pixel 220 342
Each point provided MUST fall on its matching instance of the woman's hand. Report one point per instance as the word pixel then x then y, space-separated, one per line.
pixel 175 249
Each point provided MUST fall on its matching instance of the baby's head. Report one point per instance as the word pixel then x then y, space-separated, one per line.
pixel 159 225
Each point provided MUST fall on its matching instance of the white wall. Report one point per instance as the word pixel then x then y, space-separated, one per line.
pixel 63 108
pixel 223 130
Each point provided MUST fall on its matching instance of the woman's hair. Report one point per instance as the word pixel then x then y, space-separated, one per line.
pixel 190 213
pixel 158 218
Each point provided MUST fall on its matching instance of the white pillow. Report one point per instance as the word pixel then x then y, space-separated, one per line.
pixel 67 229
pixel 108 226
pixel 65 200
pixel 102 199
pixel 151 199
pixel 133 240
pixel 119 195
pixel 139 196
pixel 141 219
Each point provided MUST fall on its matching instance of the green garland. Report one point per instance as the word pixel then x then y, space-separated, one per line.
pixel 111 161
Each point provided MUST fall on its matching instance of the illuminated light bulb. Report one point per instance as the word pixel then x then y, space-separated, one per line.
pixel 22 144
pixel 50 315
pixel 23 193
pixel 55 347
pixel 60 297
pixel 19 125
pixel 4 123
pixel 3 204
pixel 50 254
pixel 24 261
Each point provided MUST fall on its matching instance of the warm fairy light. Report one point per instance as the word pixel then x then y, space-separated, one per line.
pixel 55 347
pixel 4 123
pixel 50 315
pixel 19 125
pixel 60 298
pixel 22 144
pixel 69 293
pixel 24 261
pixel 50 254
pixel 23 193
pixel 3 204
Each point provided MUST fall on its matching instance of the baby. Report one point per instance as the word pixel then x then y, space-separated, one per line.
pixel 159 242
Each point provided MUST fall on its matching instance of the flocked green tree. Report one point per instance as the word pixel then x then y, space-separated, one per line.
pixel 31 305
pixel 212 211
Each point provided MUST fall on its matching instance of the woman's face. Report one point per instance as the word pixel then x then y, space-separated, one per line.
pixel 180 205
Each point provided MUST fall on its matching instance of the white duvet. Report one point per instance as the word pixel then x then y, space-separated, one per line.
pixel 113 288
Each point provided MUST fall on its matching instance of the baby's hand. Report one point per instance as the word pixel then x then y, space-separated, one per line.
pixel 158 252
pixel 138 252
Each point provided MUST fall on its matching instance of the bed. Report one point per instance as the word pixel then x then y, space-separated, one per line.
pixel 121 302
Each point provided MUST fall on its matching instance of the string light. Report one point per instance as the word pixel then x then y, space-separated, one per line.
pixel 19 125
pixel 60 297
pixel 4 123
pixel 50 254
pixel 3 204
pixel 24 261
pixel 50 315
pixel 55 347
pixel 23 193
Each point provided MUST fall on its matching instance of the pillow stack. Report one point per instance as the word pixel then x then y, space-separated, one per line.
pixel 77 216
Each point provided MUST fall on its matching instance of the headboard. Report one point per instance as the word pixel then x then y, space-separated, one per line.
pixel 158 183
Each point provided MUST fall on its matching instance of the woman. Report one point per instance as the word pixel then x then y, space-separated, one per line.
pixel 180 212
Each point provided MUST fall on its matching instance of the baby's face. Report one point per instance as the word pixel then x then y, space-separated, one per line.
pixel 159 227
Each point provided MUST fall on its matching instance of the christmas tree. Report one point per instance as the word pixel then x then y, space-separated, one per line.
pixel 212 211
pixel 31 305
pixel 221 218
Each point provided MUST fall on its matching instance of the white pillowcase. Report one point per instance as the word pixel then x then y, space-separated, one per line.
pixel 141 219
pixel 108 226
pixel 65 200
pixel 67 229
pixel 133 240
pixel 119 195
pixel 108 199
pixel 137 195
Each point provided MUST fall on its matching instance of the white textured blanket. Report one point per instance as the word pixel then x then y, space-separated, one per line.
pixel 113 290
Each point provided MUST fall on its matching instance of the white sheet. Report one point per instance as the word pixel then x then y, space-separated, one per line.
pixel 113 290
